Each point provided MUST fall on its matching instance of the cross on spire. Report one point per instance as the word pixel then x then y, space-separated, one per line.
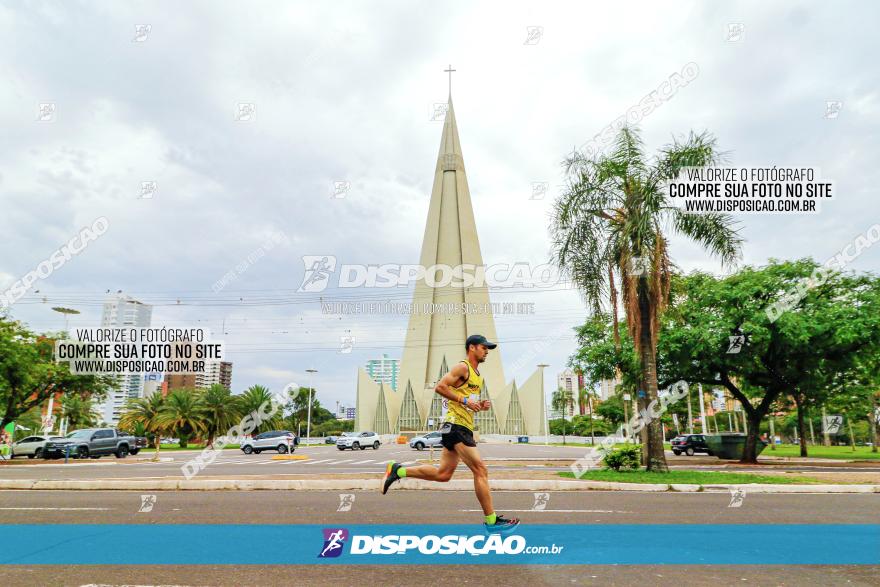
pixel 450 70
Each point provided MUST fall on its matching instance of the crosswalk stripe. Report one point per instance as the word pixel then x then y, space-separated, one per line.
pixel 316 462
pixel 340 462
pixel 362 462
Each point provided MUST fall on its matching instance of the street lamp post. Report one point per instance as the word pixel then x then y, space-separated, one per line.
pixel 311 373
pixel 67 312
pixel 544 402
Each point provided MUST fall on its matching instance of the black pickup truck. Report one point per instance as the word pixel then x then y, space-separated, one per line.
pixel 92 443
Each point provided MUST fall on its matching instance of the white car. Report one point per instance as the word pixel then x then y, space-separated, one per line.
pixel 358 440
pixel 428 440
pixel 277 440
pixel 32 446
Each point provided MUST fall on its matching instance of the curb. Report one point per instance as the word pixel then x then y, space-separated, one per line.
pixel 410 484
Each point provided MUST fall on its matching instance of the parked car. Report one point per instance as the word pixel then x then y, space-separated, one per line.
pixel 690 444
pixel 91 443
pixel 358 440
pixel 331 439
pixel 278 440
pixel 139 443
pixel 32 446
pixel 426 441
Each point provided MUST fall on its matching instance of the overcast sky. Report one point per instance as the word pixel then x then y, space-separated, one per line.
pixel 345 92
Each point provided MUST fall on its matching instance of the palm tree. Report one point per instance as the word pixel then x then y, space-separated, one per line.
pixel 585 396
pixel 79 411
pixel 145 412
pixel 184 414
pixel 561 400
pixel 611 220
pixel 251 400
pixel 222 411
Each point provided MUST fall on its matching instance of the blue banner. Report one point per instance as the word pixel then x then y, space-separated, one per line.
pixel 564 544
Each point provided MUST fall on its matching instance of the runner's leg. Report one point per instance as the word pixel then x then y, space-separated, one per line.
pixel 448 463
pixel 471 457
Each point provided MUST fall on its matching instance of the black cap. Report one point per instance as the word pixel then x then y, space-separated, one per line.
pixel 478 339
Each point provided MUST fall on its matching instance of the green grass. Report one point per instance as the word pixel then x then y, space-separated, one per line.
pixel 690 477
pixel 823 452
pixel 584 444
pixel 784 450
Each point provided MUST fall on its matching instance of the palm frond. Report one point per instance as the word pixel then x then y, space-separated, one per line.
pixel 719 233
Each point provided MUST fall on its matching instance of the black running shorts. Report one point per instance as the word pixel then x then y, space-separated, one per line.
pixel 452 434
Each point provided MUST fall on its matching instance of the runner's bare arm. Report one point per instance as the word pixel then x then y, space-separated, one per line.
pixel 456 376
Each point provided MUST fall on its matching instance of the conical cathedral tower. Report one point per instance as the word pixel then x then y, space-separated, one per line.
pixel 435 339
pixel 450 240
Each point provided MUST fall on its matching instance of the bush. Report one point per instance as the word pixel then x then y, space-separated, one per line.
pixel 626 457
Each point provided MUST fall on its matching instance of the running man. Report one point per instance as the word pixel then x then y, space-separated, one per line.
pixel 461 387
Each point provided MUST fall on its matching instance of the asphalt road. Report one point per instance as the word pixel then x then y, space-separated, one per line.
pixel 327 459
pixel 408 507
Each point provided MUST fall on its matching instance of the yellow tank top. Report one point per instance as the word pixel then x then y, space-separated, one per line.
pixel 457 413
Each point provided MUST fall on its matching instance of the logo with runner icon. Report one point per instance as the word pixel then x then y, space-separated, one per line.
pixel 334 541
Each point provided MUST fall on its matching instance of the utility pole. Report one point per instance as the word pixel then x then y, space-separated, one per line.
pixel 827 439
pixel 592 435
pixel 543 398
pixel 690 414
pixel 702 410
pixel 772 434
pixel 873 419
pixel 311 373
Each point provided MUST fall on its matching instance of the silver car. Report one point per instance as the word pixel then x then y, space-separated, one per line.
pixel 358 440
pixel 278 440
pixel 428 440
pixel 32 446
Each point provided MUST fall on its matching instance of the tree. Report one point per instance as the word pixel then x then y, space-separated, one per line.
pixel 560 401
pixel 79 411
pixel 222 411
pixel 300 406
pixel 146 412
pixel 804 352
pixel 866 377
pixel 611 410
pixel 332 427
pixel 251 400
pixel 29 373
pixel 183 414
pixel 611 220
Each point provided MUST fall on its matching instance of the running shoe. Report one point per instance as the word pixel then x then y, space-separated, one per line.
pixel 502 524
pixel 390 476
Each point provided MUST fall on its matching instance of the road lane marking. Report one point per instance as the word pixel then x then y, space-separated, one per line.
pixel 316 462
pixel 61 509
pixel 562 511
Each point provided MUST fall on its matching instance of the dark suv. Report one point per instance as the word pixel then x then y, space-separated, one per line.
pixel 689 444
